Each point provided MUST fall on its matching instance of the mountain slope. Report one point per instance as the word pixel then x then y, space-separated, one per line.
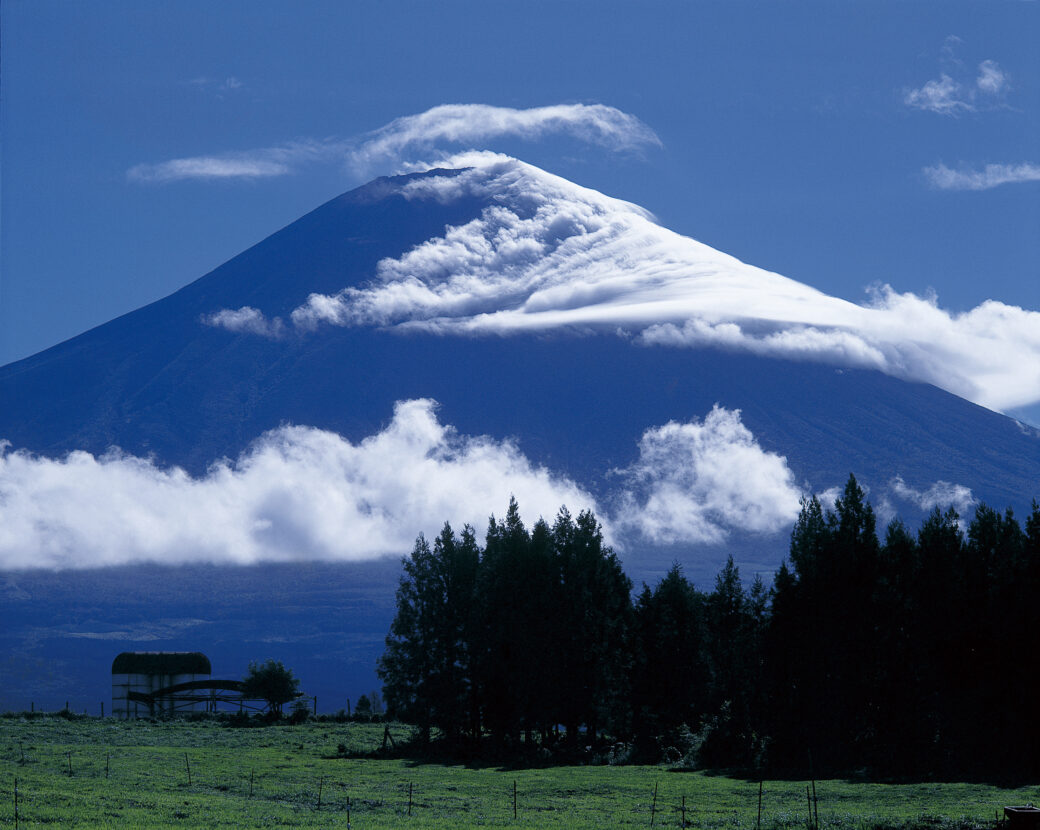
pixel 160 382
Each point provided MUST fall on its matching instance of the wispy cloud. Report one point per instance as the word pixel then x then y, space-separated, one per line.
pixel 963 91
pixel 252 164
pixel 448 124
pixel 698 481
pixel 548 254
pixel 218 86
pixel 990 176
pixel 298 494
pixel 245 319
pixel 941 494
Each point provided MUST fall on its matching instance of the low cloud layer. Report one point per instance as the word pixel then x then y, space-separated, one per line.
pixel 546 253
pixel 594 124
pixel 298 494
pixel 696 481
pixel 301 493
pixel 985 178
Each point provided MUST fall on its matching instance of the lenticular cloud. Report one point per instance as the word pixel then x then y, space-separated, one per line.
pixel 547 254
pixel 298 494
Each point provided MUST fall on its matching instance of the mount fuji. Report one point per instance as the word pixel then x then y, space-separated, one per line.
pixel 421 348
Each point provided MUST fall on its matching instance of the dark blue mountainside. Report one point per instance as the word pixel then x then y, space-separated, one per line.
pixel 158 382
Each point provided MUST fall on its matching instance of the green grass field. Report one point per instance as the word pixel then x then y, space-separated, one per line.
pixel 146 785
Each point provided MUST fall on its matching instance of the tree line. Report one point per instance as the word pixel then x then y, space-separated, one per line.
pixel 913 655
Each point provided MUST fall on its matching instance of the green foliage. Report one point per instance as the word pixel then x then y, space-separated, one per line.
pixel 272 682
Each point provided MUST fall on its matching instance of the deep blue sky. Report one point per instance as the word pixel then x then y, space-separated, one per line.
pixel 790 134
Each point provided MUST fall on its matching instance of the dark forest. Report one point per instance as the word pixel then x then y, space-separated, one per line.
pixel 910 656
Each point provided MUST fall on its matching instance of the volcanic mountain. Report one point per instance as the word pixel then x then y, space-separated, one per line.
pixel 687 396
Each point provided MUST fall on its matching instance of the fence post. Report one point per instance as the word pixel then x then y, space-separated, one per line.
pixel 683 812
pixel 187 766
pixel 69 754
pixel 321 782
pixel 409 798
pixel 16 804
pixel 514 798
pixel 250 783
pixel 653 805
pixel 758 824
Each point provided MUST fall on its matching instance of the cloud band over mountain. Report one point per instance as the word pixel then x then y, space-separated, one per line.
pixel 548 254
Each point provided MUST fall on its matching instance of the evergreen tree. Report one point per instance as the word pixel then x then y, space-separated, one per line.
pixel 669 679
pixel 595 616
pixel 427 668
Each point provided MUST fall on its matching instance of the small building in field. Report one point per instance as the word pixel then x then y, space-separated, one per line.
pixel 137 677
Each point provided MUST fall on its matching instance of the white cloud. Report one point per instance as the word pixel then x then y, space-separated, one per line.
pixel 546 253
pixel 245 319
pixel 992 175
pixel 943 95
pixel 251 164
pixel 464 123
pixel 949 95
pixel 697 481
pixel 455 123
pixel 298 493
pixel 992 79
pixel 941 494
pixel 208 167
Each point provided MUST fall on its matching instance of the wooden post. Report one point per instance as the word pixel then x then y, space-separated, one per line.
pixel 16 804
pixel 808 801
pixel 758 824
pixel 653 805
pixel 108 760
pixel 250 783
pixel 321 782
pixel 69 753
pixel 348 707
pixel 683 812
pixel 409 798
pixel 816 807
pixel 66 706
pixel 514 798
pixel 187 766
pixel 315 704
pixel 102 708
pixel 32 706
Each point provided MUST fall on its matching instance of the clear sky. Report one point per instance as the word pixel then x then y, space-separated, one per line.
pixel 841 144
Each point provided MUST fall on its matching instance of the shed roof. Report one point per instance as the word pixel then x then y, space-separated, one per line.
pixel 161 662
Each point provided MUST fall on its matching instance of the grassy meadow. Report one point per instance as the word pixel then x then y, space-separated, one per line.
pixel 135 774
